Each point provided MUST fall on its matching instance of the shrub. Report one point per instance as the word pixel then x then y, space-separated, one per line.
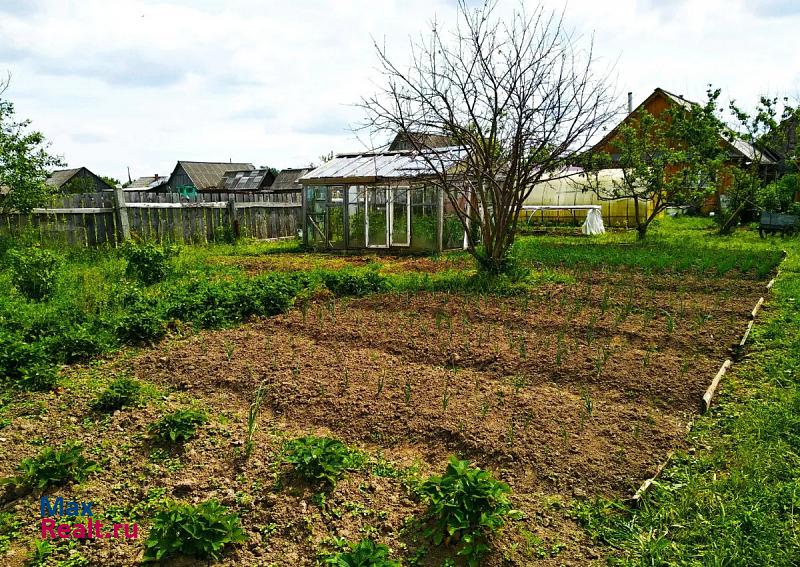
pixel 200 531
pixel 34 271
pixel 212 304
pixel 321 459
pixel 52 467
pixel 142 323
pixel 365 553
pixel 147 262
pixel 355 282
pixel 78 342
pixel 122 392
pixel 179 426
pixel 25 363
pixel 40 377
pixel 465 505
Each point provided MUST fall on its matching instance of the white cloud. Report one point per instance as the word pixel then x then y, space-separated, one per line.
pixel 142 84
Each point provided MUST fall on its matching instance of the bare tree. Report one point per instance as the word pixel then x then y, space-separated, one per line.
pixel 519 98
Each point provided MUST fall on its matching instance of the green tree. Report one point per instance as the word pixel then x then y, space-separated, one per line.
pixel 24 160
pixel 672 159
pixel 764 127
pixel 113 181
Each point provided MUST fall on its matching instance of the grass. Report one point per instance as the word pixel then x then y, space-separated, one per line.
pixel 731 500
pixel 675 245
pixel 734 497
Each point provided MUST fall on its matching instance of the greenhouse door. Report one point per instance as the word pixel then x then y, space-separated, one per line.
pixel 400 217
pixel 377 217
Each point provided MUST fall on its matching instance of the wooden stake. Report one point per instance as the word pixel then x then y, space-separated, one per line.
pixel 756 308
pixel 714 383
pixel 771 283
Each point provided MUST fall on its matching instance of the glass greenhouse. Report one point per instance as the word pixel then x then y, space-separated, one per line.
pixel 378 200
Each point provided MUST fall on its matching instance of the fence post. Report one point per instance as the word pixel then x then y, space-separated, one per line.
pixel 121 212
pixel 232 216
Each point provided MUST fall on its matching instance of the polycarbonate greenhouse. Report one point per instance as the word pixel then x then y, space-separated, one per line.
pixel 379 200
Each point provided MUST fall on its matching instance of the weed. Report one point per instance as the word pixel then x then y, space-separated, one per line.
pixel 252 417
pixel 465 506
pixel 321 459
pixel 365 553
pixel 53 467
pixel 147 262
pixel 9 529
pixel 179 426
pixel 200 531
pixel 34 271
pixel 122 392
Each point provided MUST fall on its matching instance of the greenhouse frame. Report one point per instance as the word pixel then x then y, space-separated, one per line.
pixel 380 201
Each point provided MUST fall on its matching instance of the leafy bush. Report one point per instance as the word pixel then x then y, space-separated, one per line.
pixel 354 282
pixel 179 426
pixel 321 459
pixel 34 271
pixel 778 196
pixel 200 531
pixel 78 342
pixel 212 304
pixel 147 262
pixel 54 467
pixel 465 505
pixel 39 377
pixel 122 392
pixel 365 553
pixel 25 363
pixel 142 323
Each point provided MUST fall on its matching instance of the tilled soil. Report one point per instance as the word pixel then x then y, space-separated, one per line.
pixel 576 391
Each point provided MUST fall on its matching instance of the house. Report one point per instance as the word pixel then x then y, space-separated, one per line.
pixel 419 140
pixel 739 151
pixel 287 180
pixel 379 200
pixel 202 175
pixel 247 180
pixel 147 182
pixel 77 180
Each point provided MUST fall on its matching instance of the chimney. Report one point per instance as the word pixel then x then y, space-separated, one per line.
pixel 630 102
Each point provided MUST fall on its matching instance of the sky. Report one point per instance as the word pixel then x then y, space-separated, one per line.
pixel 142 84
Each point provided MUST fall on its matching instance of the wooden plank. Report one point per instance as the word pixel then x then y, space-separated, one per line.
pixel 714 383
pixel 756 308
pixel 647 483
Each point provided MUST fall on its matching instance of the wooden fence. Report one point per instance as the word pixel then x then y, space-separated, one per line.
pixel 93 219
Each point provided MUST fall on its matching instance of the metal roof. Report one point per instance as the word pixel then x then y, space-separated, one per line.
pixel 145 182
pixel 371 167
pixel 247 180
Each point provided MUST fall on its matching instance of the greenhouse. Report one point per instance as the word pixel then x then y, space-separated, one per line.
pixel 379 200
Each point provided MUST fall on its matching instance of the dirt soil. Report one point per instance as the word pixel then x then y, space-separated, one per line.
pixel 576 391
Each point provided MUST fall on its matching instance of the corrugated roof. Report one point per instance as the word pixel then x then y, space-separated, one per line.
pixel 207 175
pixel 287 179
pixel 247 180
pixel 376 166
pixel 61 176
pixel 145 182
